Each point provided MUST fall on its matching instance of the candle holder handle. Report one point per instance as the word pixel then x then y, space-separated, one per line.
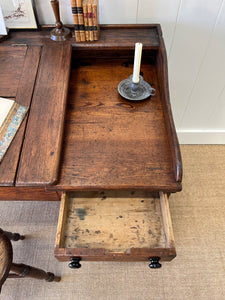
pixel 135 91
pixel 59 33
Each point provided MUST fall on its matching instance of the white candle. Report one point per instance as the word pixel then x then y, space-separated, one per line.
pixel 137 62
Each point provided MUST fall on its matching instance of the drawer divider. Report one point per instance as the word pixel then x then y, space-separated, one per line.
pixel 61 220
pixel 166 219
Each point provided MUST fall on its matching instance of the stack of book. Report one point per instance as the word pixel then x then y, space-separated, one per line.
pixel 85 18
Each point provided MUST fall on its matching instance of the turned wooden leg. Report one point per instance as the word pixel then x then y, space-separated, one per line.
pixel 13 236
pixel 154 262
pixel 75 263
pixel 27 271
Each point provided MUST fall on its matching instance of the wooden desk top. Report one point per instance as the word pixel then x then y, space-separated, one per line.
pixel 108 143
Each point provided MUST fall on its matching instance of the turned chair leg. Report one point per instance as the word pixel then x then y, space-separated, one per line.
pixel 22 270
pixel 14 236
pixel 19 270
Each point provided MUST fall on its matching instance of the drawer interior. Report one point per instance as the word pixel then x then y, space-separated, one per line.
pixel 120 223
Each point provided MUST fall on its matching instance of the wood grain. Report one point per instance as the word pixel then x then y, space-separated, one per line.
pixel 28 194
pixel 9 164
pixel 166 220
pixel 11 65
pixel 109 142
pixel 109 37
pixel 42 145
pixel 61 221
pixel 113 224
pixel 114 221
pixel 142 254
pixel 162 72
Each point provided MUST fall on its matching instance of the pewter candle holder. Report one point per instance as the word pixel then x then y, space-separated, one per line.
pixel 135 91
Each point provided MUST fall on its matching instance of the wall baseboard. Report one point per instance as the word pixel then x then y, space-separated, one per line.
pixel 201 136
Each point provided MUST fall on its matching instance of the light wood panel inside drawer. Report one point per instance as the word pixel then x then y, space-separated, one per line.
pixel 119 223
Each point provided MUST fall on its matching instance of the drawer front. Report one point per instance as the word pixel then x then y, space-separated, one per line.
pixel 114 225
pixel 28 194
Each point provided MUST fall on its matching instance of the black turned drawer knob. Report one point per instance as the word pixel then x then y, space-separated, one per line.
pixel 154 262
pixel 75 263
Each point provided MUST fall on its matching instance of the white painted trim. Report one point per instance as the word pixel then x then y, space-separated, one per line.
pixel 201 136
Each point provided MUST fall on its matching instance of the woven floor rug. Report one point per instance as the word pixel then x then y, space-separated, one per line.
pixel 198 271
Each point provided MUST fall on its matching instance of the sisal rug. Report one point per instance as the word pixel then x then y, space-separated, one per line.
pixel 198 271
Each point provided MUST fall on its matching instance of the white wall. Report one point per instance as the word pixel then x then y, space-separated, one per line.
pixel 194 32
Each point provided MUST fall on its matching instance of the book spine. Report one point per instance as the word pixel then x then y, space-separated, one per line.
pixel 95 19
pixel 90 21
pixel 75 20
pixel 85 12
pixel 81 20
pixel 8 119
pixel 11 126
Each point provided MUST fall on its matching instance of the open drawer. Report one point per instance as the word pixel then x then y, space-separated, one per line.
pixel 115 225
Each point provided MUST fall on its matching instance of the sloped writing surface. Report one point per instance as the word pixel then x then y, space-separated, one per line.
pixel 24 92
pixel 42 145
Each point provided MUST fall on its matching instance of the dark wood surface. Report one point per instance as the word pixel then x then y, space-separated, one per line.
pixel 11 62
pixel 111 36
pixel 19 270
pixel 162 71
pixel 9 164
pixel 42 145
pixel 28 194
pixel 141 254
pixel 108 142
pixel 111 143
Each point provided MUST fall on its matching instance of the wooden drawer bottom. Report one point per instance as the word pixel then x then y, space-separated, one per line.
pixel 114 225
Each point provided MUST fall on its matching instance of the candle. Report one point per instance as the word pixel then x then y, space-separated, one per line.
pixel 137 62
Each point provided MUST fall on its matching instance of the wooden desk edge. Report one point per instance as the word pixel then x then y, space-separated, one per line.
pixel 177 187
pixel 162 66
pixel 174 145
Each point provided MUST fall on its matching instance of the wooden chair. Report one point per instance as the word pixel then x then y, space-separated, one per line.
pixel 19 270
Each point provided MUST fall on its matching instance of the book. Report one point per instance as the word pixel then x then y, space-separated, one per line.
pixel 90 21
pixel 81 20
pixel 95 19
pixel 85 12
pixel 75 20
pixel 11 117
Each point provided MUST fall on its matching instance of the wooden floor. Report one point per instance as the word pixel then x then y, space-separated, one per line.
pixel 198 271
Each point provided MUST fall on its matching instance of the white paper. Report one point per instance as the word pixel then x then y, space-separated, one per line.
pixel 5 106
pixel 3 30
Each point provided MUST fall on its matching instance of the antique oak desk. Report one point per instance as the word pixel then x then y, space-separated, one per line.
pixel 113 162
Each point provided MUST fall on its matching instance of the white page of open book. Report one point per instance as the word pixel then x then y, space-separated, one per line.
pixel 5 106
